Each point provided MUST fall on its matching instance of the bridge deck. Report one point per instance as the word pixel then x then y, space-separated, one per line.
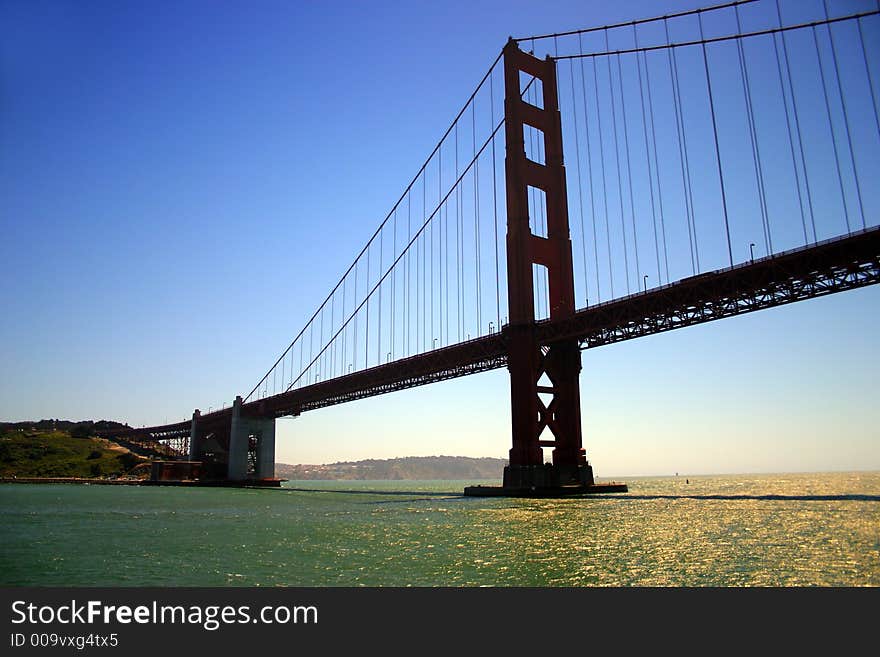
pixel 831 266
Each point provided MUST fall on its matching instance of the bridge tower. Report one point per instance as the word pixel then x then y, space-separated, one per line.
pixel 529 361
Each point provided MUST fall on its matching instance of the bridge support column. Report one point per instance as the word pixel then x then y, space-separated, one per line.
pixel 265 458
pixel 251 446
pixel 195 447
pixel 544 386
pixel 238 444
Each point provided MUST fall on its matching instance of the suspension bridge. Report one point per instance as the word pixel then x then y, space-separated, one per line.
pixel 717 161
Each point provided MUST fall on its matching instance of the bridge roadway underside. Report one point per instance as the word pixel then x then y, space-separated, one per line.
pixel 835 265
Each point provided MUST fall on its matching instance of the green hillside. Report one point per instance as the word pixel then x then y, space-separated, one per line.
pixel 47 453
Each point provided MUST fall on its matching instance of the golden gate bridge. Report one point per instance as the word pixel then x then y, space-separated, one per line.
pixel 717 161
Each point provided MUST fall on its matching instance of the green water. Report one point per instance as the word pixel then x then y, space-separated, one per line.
pixel 662 533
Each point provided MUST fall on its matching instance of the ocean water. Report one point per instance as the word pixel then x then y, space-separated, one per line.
pixel 742 530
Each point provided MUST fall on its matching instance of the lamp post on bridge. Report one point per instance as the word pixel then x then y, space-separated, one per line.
pixel 646 282
pixel 752 251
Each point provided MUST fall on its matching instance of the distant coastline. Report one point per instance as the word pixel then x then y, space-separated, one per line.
pixel 405 468
pixel 62 451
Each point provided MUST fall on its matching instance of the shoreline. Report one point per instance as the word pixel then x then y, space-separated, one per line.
pixel 72 480
pixel 247 483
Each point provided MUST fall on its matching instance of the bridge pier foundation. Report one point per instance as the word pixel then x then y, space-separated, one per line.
pixel 547 475
pixel 251 446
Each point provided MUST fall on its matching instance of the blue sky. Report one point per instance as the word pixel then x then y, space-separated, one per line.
pixel 182 183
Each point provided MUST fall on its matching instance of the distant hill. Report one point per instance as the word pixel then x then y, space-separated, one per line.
pixel 83 427
pixel 410 467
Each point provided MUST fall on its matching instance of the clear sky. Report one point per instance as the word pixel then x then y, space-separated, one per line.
pixel 182 183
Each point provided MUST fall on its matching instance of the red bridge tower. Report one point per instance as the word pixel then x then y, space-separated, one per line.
pixel 529 361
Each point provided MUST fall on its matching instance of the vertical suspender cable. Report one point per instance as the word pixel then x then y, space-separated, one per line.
pixel 476 175
pixel 715 133
pixel 648 156
pixel 683 154
pixel 319 367
pixel 495 206
pixel 632 208
pixel 381 270
pixel 367 318
pixel 431 278
pixel 407 292
pixel 656 166
pixel 311 349
pixel 344 335
pixel 845 117
pixel 794 167
pixel 831 131
pixel 424 242
pixel 590 171
pixel 577 154
pixel 462 284
pixel 393 285
pixel 284 370
pixel 868 74
pixel 797 123
pixel 604 186
pixel 617 161
pixel 458 282
pixel 332 329
pixel 440 242
pixel 446 266
pixel 753 135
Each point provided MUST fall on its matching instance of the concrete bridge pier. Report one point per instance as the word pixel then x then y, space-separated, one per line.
pixel 195 447
pixel 251 446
